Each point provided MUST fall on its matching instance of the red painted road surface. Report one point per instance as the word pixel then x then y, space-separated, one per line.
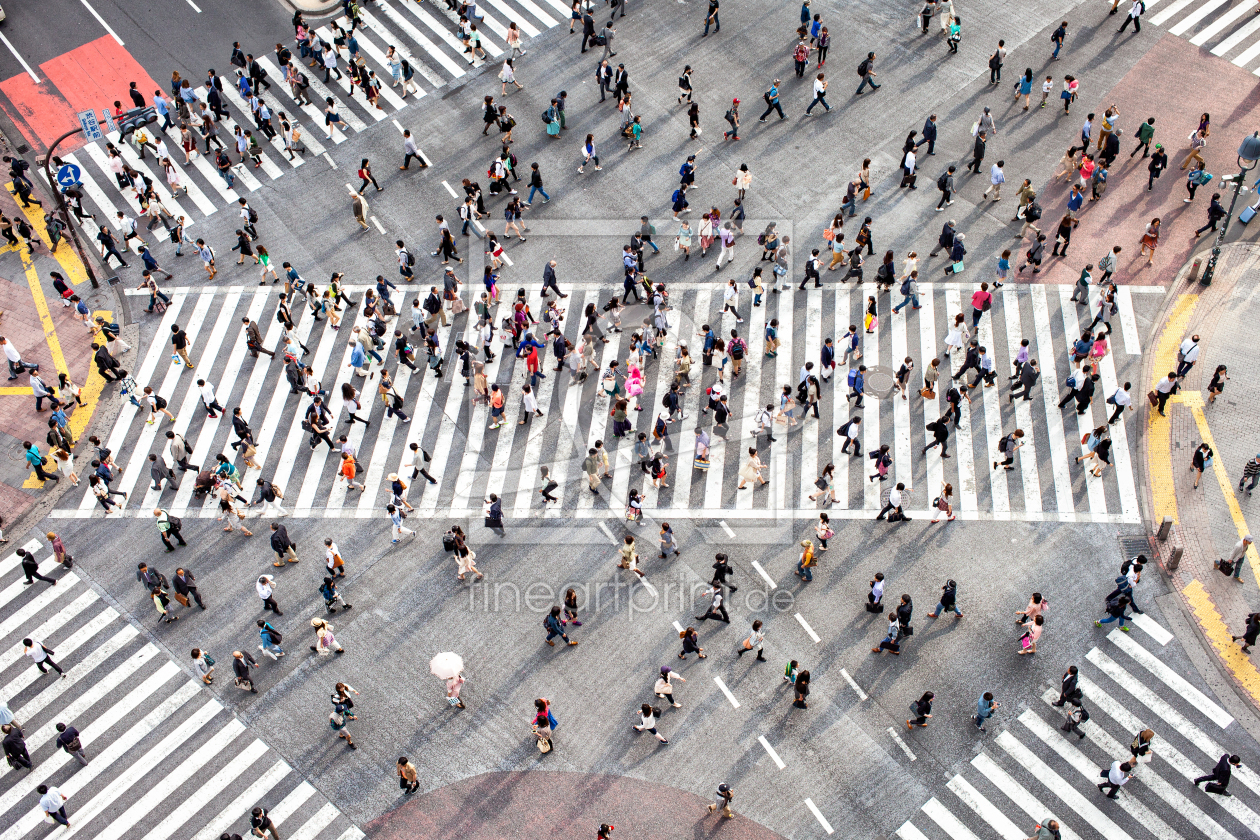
pixel 92 76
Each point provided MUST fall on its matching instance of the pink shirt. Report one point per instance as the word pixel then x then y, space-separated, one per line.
pixel 979 298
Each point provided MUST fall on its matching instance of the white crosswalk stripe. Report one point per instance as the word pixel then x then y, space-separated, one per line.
pixel 166 760
pixel 433 49
pixel 471 460
pixel 1229 28
pixel 1064 771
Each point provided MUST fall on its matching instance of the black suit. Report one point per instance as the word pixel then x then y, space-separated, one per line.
pixel 1220 773
pixel 588 30
pixel 15 750
pixel 1068 691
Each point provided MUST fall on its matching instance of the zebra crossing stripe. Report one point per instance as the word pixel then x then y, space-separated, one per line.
pixel 1171 678
pixel 1018 794
pixel 1148 777
pixel 159 182
pixel 317 823
pixel 315 113
pixel 1090 771
pixel 13 561
pixel 967 489
pixel 431 49
pixel 1238 37
pixel 1163 710
pixel 182 813
pixel 1064 501
pixel 386 91
pixel 1102 701
pixel 242 169
pixel 36 606
pixel 241 805
pixel 1084 422
pixel 155 795
pixel 985 809
pixel 277 142
pixel 947 821
pixel 94 191
pixel 100 762
pixel 287 806
pixel 1057 785
pixel 43 599
pixel 1197 15
pixel 1028 460
pixel 909 832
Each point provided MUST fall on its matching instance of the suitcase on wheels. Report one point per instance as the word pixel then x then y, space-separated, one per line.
pixel 1247 214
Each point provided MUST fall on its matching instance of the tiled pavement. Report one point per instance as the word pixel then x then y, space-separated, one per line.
pixel 1209 519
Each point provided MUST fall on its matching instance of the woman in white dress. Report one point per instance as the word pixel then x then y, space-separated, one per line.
pixel 173 179
pixel 957 337
pixel 751 471
pixel 508 76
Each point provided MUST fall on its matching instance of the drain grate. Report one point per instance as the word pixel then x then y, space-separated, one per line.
pixel 1132 546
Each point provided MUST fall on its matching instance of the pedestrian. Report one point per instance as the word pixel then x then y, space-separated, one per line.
pixel 921 710
pixel 985 707
pixel 948 601
pixel 337 723
pixel 1250 633
pixel 717 607
pixel 203 664
pixel 866 69
pixel 725 795
pixel 325 642
pixel 68 740
pixel 875 598
pixel 1199 461
pixel 53 803
pixel 890 641
pixel 664 688
pixel 1233 564
pixel 1028 641
pixel 804 566
pixel 14 744
pixel 1115 611
pixel 266 587
pixel 1135 17
pixel 41 655
pixel 30 568
pixel 647 721
pixel 186 587
pixel 408 782
pixel 1119 773
pixel 555 627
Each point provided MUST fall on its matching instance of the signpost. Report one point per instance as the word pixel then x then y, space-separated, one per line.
pixel 91 128
pixel 68 175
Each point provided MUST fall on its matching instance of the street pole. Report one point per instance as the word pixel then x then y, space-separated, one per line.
pixel 1248 157
pixel 1220 236
pixel 65 211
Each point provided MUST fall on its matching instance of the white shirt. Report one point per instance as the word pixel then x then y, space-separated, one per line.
pixel 1047 86
pixel 531 404
pixel 265 586
pixel 332 550
pixel 207 393
pixel 11 352
pixel 910 162
pixel 1121 398
pixel 820 87
pixel 894 497
pixel 1190 350
pixel 1136 10
pixel 36 652
pixel 996 176
pixel 52 801
pixel 878 590
pixel 1166 385
pixel 1115 775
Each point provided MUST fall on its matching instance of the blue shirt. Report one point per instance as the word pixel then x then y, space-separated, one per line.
pixel 984 708
pixel 357 357
pixel 159 105
pixel 1075 200
pixel 33 457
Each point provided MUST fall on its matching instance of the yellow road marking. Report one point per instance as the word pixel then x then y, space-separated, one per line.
pixel 45 317
pixel 1159 431
pixel 65 254
pixel 1194 401
pixel 16 392
pixel 1218 635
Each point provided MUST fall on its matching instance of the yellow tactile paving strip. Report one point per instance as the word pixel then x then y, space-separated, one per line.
pixel 1159 430
pixel 1218 635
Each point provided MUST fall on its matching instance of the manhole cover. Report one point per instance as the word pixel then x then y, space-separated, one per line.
pixel 1132 546
pixel 880 382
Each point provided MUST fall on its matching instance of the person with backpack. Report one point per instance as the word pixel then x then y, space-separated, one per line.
pixel 732 117
pixel 1115 607
pixel 867 71
pixel 1075 718
pixel 1135 17
pixel 771 98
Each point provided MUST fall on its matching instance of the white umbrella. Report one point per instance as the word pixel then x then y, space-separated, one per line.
pixel 446 666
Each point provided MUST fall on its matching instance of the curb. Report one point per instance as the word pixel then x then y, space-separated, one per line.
pixel 1206 660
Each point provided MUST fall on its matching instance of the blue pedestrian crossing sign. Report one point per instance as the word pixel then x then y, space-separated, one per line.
pixel 91 127
pixel 68 175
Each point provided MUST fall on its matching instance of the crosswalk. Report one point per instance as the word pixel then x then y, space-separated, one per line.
pixel 1229 29
pixel 166 760
pixel 424 35
pixel 1032 771
pixel 471 461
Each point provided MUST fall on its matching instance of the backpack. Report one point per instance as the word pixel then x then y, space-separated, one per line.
pixel 940 182
pixel 737 349
pixel 209 661
pixel 1032 212
pixel 411 258
pixel 864 66
pixel 994 63
pixel 905 286
pixel 276 638
pixel 159 401
pixel 253 215
pixel 852 379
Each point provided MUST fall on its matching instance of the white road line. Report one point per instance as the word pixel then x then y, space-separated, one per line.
pixel 726 691
pixel 352 833
pixel 441 31
pixel 806 449
pixel 102 761
pixel 1046 355
pixel 754 333
pixel 317 823
pixel 1099 821
pixel 196 8
pixel 1152 780
pixel 296 798
pixel 678 627
pixel 532 453
pixel 860 693
pixel 1082 764
pixel 241 806
pixel 379 227
pixel 1094 489
pixel 999 492
pixel 904 749
pixel 769 580
pixel 727 528
pixel 198 161
pixel 1108 705
pixel 354 91
pixel 434 51
pixel 21 60
pixel 813 809
pixel 102 22
pixel 1240 35
pixel 12 562
pixel 450 190
pixel 1152 628
pixel 49 627
pixel 1171 678
pixel 378 55
pixel 1168 11
pixel 1128 323
pixel 1028 460
pixel 903 466
pixel 141 765
pixel 947 821
pixel 277 142
pixel 808 629
pixel 189 808
pixel 607 533
pixel 774 756
pixel 1184 25
pixel 33 607
pixel 691 400
pixel 985 809
pixel 1125 483
pixel 1018 794
pixel 964 450
pixel 909 832
pixel 783 374
pixel 94 191
pixel 1176 721
pixel 931 407
pixel 330 160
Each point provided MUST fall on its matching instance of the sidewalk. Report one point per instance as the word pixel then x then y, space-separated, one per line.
pixel 1211 519
pixel 46 333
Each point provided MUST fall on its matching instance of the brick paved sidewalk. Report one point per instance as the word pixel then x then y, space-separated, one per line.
pixel 1210 519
